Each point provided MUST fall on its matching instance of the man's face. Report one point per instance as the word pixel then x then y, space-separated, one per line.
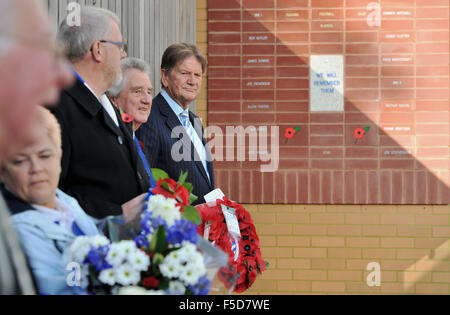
pixel 114 56
pixel 184 82
pixel 35 72
pixel 136 97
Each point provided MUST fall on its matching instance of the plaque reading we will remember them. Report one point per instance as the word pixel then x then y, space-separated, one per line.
pixel 326 80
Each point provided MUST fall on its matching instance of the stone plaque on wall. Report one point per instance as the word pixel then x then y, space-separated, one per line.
pixel 327 83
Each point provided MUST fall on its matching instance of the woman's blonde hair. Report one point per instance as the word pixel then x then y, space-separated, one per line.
pixel 44 118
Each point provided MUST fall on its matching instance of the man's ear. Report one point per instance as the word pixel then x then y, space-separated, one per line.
pixel 98 54
pixel 164 77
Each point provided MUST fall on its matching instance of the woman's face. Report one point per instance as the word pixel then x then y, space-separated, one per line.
pixel 32 172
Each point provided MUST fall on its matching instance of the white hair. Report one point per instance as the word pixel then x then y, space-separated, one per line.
pixel 129 63
pixel 95 24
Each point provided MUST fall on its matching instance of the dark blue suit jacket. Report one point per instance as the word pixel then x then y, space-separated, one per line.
pixel 163 133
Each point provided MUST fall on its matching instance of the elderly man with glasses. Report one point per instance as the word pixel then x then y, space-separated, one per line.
pixel 101 166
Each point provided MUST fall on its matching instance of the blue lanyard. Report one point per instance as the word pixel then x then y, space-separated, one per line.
pixel 144 160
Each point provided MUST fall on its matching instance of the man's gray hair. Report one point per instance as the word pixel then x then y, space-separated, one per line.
pixel 128 63
pixel 95 24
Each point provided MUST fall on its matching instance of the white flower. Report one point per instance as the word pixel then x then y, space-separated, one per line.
pixel 116 254
pixel 126 275
pixel 177 287
pixel 132 291
pixel 80 248
pixel 99 241
pixel 128 246
pixel 190 275
pixel 156 292
pixel 108 277
pixel 165 208
pixel 139 260
pixel 170 269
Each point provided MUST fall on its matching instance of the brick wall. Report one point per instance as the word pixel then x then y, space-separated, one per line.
pixel 326 248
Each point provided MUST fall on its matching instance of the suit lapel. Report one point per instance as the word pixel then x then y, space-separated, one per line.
pixel 172 121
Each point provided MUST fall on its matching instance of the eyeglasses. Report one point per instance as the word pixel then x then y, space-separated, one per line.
pixel 122 45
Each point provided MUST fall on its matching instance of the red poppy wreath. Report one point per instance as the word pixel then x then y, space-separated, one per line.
pixel 249 262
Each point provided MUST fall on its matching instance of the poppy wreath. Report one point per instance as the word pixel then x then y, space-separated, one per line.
pixel 249 263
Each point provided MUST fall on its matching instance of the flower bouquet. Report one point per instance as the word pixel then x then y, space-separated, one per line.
pixel 165 256
pixel 238 239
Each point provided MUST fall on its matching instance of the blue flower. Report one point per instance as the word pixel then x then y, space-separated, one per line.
pixel 182 230
pixel 97 258
pixel 142 241
pixel 202 287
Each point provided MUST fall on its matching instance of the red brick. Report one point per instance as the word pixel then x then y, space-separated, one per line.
pixel 292 26
pixel 361 71
pixel 292 72
pixel 397 164
pixel 224 73
pixel 258 4
pixel 432 117
pixel 214 38
pixel 258 118
pixel 397 60
pixel 363 164
pixel 260 26
pixel 404 48
pixel 349 188
pixel 397 118
pixel 327 164
pixel 258 72
pixel 442 129
pixel 224 106
pixel 268 187
pixel 327 14
pixel 397 71
pixel 337 187
pixel 431 152
pixel 223 95
pixel 289 95
pixel 362 49
pixel 408 192
pixel 326 130
pixel 421 188
pixel 434 24
pixel 326 152
pixel 294 38
pixel 224 49
pixel 387 3
pixel 357 3
pixel 396 140
pixel 361 83
pixel 361 187
pixel 326 140
pixel 302 106
pixel 224 61
pixel 327 3
pixel 224 26
pixel 397 93
pixel 292 61
pixel 253 61
pixel 259 38
pixel 303 190
pixel 432 82
pixel 353 95
pixel 315 187
pixel 220 4
pixel 385 187
pixel 373 184
pixel 280 187
pixel 232 15
pixel 299 118
pixel 292 49
pixel 397 25
pixel 234 184
pixel 327 26
pixel 361 60
pixel 292 15
pixel 362 106
pixel 436 59
pixel 293 164
pixel 397 105
pixel 288 4
pixel 326 187
pixel 222 117
pixel 292 187
pixel 258 49
pixel 361 152
pixel 246 185
pixel 327 37
pixel 357 25
pixel 327 49
pixel 258 15
pixel 224 84
pixel 258 95
pixel 432 71
pixel 432 36
pixel 438 140
pixel 257 185
pixel 293 83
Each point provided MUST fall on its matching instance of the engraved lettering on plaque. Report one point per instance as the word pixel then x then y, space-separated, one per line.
pixel 326 80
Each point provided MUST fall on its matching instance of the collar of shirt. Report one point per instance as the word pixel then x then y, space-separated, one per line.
pixel 103 100
pixel 63 214
pixel 176 108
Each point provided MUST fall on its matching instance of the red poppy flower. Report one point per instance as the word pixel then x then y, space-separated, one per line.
pixel 359 133
pixel 289 133
pixel 181 193
pixel 150 282
pixel 127 118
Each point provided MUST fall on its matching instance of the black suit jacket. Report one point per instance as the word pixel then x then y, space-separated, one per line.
pixel 101 167
pixel 156 136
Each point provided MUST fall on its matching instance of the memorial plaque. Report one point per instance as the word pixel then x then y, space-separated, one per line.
pixel 327 83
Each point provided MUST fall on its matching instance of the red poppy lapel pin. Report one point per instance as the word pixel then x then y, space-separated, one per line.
pixel 359 133
pixel 289 133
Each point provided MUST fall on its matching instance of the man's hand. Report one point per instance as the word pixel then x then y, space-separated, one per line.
pixel 133 207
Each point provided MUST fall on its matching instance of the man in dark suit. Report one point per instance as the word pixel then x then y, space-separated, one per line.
pixel 101 167
pixel 173 136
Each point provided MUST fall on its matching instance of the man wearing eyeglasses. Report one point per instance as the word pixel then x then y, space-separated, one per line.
pixel 33 73
pixel 101 167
